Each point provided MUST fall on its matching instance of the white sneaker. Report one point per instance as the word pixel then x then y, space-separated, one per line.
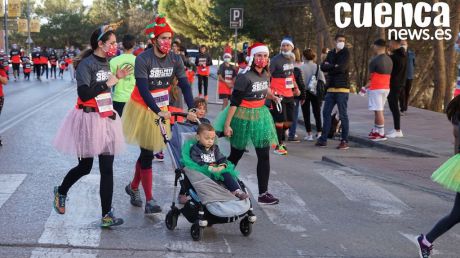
pixel 318 135
pixel 395 134
pixel 309 138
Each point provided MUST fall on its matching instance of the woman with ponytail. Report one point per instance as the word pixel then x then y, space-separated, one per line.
pixel 93 128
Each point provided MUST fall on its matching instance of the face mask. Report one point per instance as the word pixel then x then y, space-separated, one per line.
pixel 404 46
pixel 286 53
pixel 227 60
pixel 111 51
pixel 164 46
pixel 261 62
pixel 340 45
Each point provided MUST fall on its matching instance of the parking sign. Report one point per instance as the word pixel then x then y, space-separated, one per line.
pixel 236 18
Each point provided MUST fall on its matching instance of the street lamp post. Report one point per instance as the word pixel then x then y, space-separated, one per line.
pixel 5 26
pixel 29 39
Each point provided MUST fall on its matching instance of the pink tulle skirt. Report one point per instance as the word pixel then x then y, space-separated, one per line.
pixel 88 134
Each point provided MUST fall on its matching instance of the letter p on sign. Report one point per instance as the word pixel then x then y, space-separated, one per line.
pixel 236 18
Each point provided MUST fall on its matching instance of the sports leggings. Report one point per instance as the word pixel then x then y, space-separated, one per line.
pixel 203 82
pixel 263 165
pixel 53 70
pixel 84 168
pixel 447 222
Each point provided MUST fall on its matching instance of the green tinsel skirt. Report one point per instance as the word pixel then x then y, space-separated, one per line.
pixel 448 174
pixel 251 126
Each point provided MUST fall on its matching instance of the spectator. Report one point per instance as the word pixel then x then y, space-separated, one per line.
pixel 405 93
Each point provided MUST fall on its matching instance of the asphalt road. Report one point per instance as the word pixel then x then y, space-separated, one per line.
pixel 325 210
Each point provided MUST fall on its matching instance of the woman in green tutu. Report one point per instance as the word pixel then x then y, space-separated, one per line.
pixel 447 175
pixel 247 121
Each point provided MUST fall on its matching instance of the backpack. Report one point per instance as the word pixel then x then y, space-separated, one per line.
pixel 315 86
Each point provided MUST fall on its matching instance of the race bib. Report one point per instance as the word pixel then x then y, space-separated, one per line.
pixel 161 98
pixel 104 104
pixel 289 83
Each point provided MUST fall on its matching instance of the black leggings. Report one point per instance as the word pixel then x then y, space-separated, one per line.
pixel 447 222
pixel 53 70
pixel 45 69
pixel 37 70
pixel 263 165
pixel 393 102
pixel 203 82
pixel 84 168
pixel 316 108
pixel 146 158
pixel 2 101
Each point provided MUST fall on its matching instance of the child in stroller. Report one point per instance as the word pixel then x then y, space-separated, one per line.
pixel 206 158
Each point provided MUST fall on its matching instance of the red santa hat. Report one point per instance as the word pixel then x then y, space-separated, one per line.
pixel 254 49
pixel 227 53
pixel 157 27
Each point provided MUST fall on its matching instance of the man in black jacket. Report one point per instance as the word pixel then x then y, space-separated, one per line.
pixel 338 88
pixel 397 82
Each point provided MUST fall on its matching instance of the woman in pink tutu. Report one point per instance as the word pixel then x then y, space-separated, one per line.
pixel 93 128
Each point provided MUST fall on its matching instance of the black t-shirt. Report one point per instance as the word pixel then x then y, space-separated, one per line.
pixel 93 72
pixel 251 86
pixel 281 67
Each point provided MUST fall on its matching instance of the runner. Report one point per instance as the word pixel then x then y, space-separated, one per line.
pixel 227 74
pixel 36 62
pixel 26 68
pixel 44 61
pixel 62 68
pixel 378 88
pixel 283 85
pixel 247 121
pixel 154 71
pixel 53 61
pixel 92 128
pixel 15 56
pixel 3 81
pixel 203 61
pixel 448 176
pixel 124 87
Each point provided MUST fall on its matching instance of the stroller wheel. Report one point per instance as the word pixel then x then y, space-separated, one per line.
pixel 196 231
pixel 171 220
pixel 245 226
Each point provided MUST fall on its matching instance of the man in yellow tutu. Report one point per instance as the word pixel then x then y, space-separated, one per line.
pixel 154 71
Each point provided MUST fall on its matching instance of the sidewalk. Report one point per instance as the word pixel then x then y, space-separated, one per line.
pixel 426 133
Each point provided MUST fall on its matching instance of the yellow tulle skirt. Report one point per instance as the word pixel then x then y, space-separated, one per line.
pixel 140 126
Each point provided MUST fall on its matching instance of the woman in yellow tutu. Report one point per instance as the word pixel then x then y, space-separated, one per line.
pixel 154 71
pixel 447 175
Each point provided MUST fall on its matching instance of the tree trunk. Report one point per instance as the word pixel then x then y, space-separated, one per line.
pixel 452 54
pixel 420 83
pixel 320 40
pixel 321 23
pixel 439 74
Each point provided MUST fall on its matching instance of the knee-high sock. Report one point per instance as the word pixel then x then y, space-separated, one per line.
pixel 137 176
pixel 146 179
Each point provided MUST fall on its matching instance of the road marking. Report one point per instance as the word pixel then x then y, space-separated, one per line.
pixel 291 206
pixel 13 121
pixel 80 225
pixel 63 253
pixel 359 189
pixel 8 185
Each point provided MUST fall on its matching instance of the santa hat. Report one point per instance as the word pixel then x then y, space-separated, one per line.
pixel 227 53
pixel 157 27
pixel 287 40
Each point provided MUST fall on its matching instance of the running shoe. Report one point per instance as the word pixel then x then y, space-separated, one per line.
pixel 241 194
pixel 376 137
pixel 395 134
pixel 308 137
pixel 343 145
pixel 320 144
pixel 110 220
pixel 295 139
pixel 59 201
pixel 135 196
pixel 160 157
pixel 267 198
pixel 424 251
pixel 279 150
pixel 152 207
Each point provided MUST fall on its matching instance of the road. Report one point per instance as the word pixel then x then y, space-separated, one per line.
pixel 362 208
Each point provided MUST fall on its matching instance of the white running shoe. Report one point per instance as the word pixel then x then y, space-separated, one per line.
pixel 309 138
pixel 318 135
pixel 395 134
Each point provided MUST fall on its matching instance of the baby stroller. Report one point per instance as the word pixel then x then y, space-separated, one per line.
pixel 209 203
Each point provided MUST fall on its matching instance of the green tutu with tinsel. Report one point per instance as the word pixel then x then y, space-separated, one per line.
pixel 251 126
pixel 448 174
pixel 190 164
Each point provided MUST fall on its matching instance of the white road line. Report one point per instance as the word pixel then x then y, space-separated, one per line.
pixel 359 189
pixel 80 225
pixel 63 253
pixel 8 124
pixel 291 206
pixel 8 185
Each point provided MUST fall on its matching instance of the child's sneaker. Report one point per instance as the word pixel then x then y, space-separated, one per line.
pixel 267 198
pixel 152 207
pixel 280 150
pixel 424 251
pixel 59 201
pixel 110 220
pixel 241 194
pixel 160 157
pixel 182 199
pixel 135 196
